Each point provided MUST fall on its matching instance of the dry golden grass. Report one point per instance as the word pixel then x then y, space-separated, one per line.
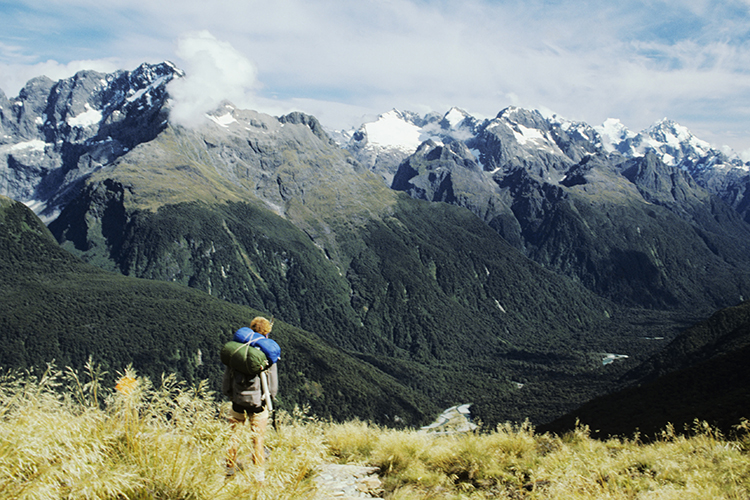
pixel 60 438
pixel 63 435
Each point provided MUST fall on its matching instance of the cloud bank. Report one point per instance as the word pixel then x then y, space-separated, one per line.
pixel 13 77
pixel 586 60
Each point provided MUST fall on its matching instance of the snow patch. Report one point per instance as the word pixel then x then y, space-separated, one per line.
pixel 224 120
pixel 156 83
pixel 136 95
pixel 391 130
pixel 524 135
pixel 34 145
pixel 87 118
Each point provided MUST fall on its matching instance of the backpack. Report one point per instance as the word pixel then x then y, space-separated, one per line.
pixel 269 347
pixel 244 358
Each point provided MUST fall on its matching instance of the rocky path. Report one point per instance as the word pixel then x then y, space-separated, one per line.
pixel 346 482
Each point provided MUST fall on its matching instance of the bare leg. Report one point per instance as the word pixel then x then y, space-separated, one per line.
pixel 234 443
pixel 259 423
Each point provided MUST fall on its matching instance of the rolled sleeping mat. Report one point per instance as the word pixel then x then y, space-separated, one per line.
pixel 269 347
pixel 244 358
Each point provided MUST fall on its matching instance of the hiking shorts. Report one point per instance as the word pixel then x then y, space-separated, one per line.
pixel 254 419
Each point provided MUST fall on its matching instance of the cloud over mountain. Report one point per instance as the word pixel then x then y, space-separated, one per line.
pixel 338 60
pixel 214 71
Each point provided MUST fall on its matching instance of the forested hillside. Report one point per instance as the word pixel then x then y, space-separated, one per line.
pixel 703 374
pixel 530 259
pixel 59 309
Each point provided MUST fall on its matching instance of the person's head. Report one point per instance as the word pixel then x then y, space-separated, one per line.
pixel 261 325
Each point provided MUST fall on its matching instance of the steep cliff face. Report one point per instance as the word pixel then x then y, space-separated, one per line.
pixel 450 173
pixel 57 133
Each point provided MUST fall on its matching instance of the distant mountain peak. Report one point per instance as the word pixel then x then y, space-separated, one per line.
pixel 613 132
pixel 60 132
pixel 457 119
pixel 393 129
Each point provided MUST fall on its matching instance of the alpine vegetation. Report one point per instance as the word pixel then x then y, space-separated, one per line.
pixel 165 439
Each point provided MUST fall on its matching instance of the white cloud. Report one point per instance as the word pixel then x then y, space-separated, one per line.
pixel 214 71
pixel 585 59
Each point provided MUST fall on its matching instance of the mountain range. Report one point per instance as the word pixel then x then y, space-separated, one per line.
pixel 507 257
pixel 592 203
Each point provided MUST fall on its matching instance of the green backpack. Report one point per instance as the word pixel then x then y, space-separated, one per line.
pixel 243 358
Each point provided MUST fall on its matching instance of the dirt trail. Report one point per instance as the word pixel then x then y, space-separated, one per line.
pixel 346 482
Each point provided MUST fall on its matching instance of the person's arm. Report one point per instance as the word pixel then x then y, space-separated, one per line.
pixel 226 383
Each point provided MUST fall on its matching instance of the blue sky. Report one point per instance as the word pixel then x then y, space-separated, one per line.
pixel 345 61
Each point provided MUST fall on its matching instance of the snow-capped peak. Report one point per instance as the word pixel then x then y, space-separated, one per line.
pixel 613 133
pixel 455 116
pixel 669 135
pixel 509 112
pixel 392 130
pixel 396 134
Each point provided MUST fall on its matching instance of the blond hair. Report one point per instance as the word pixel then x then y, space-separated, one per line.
pixel 261 325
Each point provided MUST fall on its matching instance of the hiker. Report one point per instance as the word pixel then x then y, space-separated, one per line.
pixel 248 404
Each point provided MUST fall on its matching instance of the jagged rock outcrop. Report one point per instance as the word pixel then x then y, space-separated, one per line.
pixel 449 173
pixel 57 133
pixel 572 204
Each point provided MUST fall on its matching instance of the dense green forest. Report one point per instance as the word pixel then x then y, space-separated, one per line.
pixel 59 309
pixel 427 292
pixel 703 374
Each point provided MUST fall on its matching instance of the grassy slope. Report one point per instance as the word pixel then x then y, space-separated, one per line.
pixel 168 441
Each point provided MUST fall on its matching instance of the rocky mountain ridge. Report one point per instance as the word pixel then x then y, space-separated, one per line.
pixel 568 195
pixel 403 131
pixel 54 134
pixel 527 135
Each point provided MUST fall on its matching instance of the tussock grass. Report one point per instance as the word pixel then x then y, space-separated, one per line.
pixel 61 437
pixel 64 435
